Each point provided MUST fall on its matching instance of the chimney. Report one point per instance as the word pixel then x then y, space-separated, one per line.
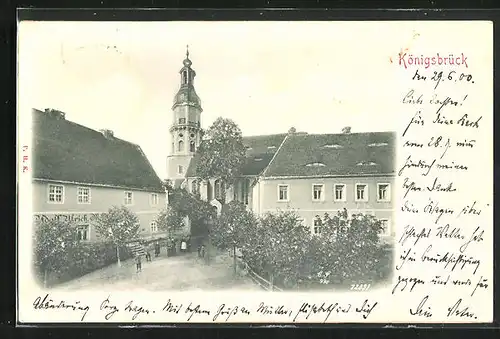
pixel 53 113
pixel 108 134
pixel 346 130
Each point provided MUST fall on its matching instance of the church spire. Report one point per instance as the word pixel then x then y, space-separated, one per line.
pixel 186 93
pixel 187 63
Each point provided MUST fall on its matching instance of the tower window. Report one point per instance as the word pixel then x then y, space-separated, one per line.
pixel 180 146
pixel 192 147
pixel 192 135
pixel 184 77
pixel 182 120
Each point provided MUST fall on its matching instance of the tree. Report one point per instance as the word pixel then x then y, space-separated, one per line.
pixel 231 229
pixel 119 225
pixel 200 212
pixel 350 247
pixel 287 243
pixel 222 153
pixel 53 241
pixel 170 220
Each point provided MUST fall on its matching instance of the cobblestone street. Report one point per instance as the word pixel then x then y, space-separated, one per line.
pixel 180 273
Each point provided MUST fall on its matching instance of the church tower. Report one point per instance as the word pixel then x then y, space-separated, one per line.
pixel 185 130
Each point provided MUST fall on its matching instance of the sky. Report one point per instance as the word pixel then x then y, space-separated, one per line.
pixel 266 76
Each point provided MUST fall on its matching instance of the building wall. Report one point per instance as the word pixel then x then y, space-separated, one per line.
pixel 101 199
pixel 173 163
pixel 263 197
pixel 300 197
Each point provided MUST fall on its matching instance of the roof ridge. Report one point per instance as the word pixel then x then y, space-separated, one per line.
pixel 350 133
pixel 263 173
pixel 263 135
pixel 91 129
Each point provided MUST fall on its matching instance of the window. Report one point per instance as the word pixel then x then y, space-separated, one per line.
pixel 182 120
pixel 210 195
pixel 192 147
pixel 383 192
pixel 180 169
pixel 184 77
pixel 220 190
pixel 384 225
pixel 180 146
pixel 128 198
pixel 317 223
pixel 245 190
pixel 56 194
pixel 82 232
pixel 339 192
pixel 333 146
pixel 195 187
pixel 83 195
pixel 282 192
pixel 154 199
pixel 361 192
pixel 153 226
pixel 316 164
pixel 378 144
pixel 318 192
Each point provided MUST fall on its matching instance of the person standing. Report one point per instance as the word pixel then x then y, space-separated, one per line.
pixel 138 263
pixel 157 249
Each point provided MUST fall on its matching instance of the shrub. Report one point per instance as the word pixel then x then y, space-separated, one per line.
pixel 86 258
pixel 347 250
pixel 52 241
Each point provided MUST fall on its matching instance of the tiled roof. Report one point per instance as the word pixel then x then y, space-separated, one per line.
pixel 260 151
pixel 66 151
pixel 335 154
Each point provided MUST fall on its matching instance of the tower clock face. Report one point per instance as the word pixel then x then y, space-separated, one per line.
pixel 183 96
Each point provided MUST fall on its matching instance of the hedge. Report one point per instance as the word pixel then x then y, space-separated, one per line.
pixel 83 259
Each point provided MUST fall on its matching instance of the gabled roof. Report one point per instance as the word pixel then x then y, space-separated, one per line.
pixel 335 154
pixel 260 151
pixel 66 151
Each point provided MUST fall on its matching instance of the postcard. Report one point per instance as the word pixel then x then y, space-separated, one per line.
pixel 255 172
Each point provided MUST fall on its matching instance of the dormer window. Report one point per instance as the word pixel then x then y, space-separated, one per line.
pixel 366 163
pixel 316 164
pixel 271 147
pixel 333 146
pixel 378 144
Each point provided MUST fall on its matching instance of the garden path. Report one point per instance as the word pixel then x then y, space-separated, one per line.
pixel 181 273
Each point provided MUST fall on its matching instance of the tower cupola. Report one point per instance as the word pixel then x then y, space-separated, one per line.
pixel 186 94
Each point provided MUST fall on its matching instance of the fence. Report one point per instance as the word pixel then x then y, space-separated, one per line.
pixel 256 278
